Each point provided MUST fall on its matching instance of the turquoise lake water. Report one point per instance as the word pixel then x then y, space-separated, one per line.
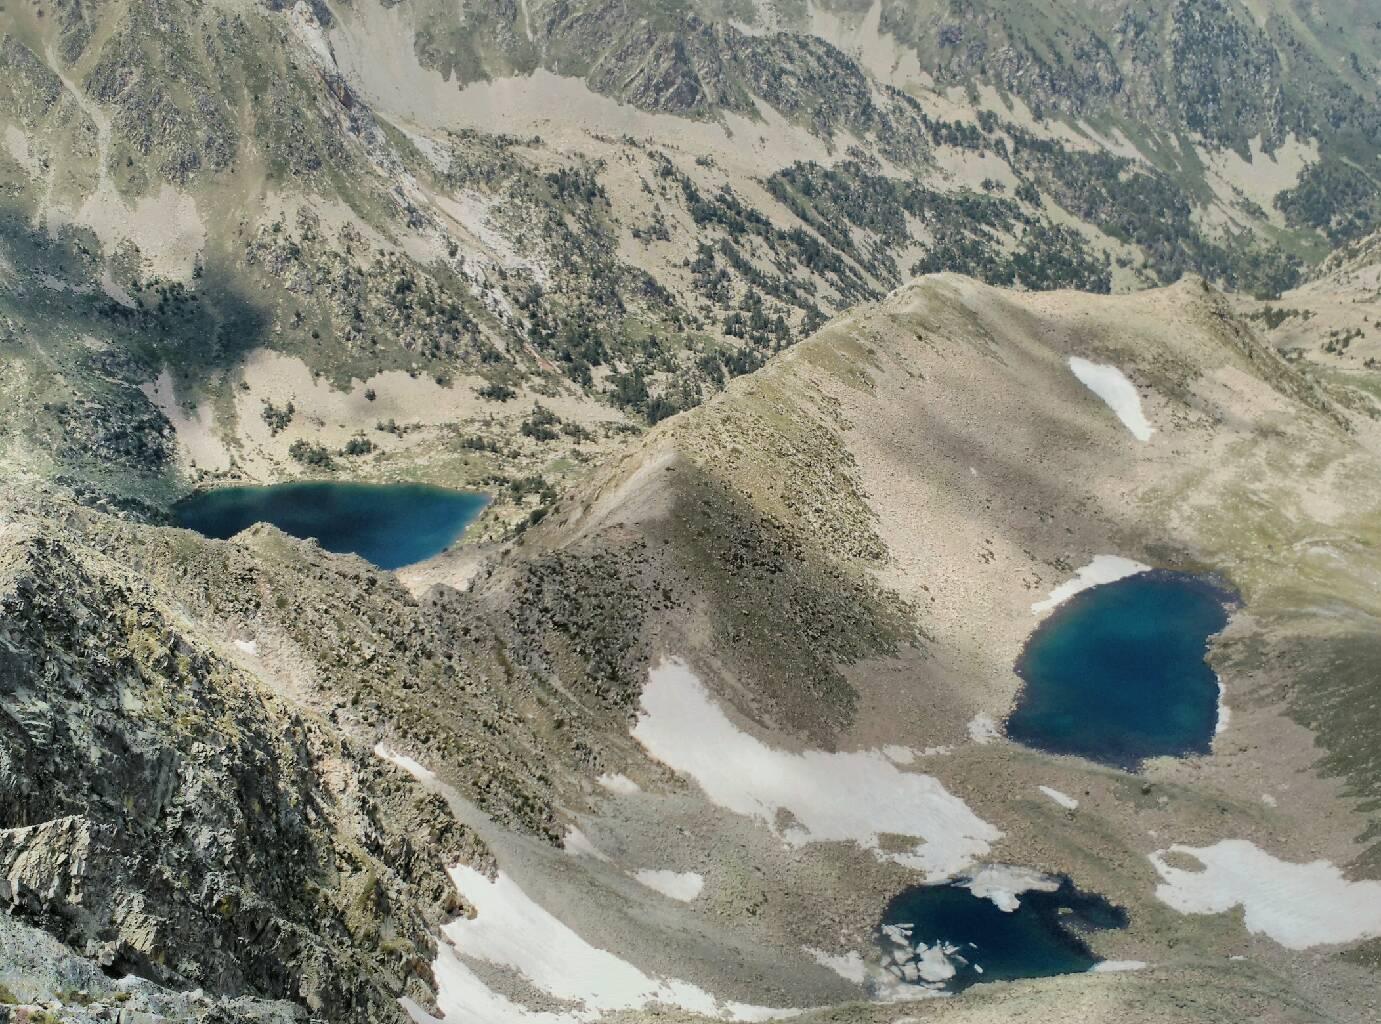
pixel 1042 937
pixel 391 525
pixel 1117 673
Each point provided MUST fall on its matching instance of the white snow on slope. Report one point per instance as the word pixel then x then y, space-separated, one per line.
pixel 1112 386
pixel 464 998
pixel 1297 905
pixel 850 796
pixel 982 728
pixel 614 782
pixel 1103 569
pixel 511 930
pixel 678 885
pixel 578 844
pixel 1118 966
pixel 559 962
pixel 849 966
pixel 1004 884
pixel 1067 802
pixel 1224 712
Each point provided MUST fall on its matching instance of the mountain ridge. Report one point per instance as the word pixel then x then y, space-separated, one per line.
pixel 761 327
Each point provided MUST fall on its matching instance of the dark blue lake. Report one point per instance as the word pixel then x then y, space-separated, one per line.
pixel 978 941
pixel 391 525
pixel 1117 673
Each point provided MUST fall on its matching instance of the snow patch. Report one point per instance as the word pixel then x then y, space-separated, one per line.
pixel 250 647
pixel 464 998
pixel 1004 883
pixel 849 966
pixel 1112 386
pixel 1297 905
pixel 1067 802
pixel 899 755
pixel 1103 569
pixel 511 930
pixel 614 782
pixel 562 964
pixel 1224 712
pixel 982 728
pixel 1117 966
pixel 578 844
pixel 678 885
pixel 853 796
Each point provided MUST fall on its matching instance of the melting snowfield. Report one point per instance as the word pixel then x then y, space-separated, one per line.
pixel 1003 884
pixel 1112 386
pixel 1297 905
pixel 849 966
pixel 513 932
pixel 854 796
pixel 677 885
pixel 618 783
pixel 1103 569
pixel 578 844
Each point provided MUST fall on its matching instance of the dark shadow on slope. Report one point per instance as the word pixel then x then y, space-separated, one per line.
pixel 80 357
pixel 780 610
pixel 171 817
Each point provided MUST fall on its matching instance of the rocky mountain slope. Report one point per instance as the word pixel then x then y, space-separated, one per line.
pixel 168 816
pixel 757 323
pixel 208 206
pixel 853 548
pixel 844 548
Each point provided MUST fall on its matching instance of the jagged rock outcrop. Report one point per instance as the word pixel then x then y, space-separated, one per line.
pixel 165 816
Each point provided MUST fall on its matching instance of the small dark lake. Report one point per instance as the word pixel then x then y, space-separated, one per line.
pixel 391 525
pixel 1117 673
pixel 931 930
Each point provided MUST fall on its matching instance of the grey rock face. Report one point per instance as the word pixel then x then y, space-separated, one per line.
pixel 166 818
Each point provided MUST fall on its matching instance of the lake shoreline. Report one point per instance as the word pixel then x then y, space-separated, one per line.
pixel 392 526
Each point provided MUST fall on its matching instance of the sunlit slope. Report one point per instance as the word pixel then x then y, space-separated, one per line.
pixel 852 541
pixel 847 550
